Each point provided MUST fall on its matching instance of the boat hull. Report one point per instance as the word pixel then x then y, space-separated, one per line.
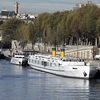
pixel 85 74
pixel 63 67
pixel 19 61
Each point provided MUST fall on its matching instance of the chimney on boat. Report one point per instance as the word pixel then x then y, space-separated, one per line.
pixel 53 52
pixel 62 52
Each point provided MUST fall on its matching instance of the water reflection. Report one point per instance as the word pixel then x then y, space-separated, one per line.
pixel 17 83
pixel 94 93
pixel 62 88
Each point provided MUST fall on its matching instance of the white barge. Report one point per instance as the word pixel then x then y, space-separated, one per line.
pixel 19 59
pixel 63 67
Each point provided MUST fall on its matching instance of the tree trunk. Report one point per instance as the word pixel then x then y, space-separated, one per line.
pixel 96 42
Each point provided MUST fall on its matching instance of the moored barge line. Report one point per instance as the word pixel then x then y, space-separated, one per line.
pixel 62 67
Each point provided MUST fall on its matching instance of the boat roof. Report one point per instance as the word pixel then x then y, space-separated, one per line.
pixel 19 55
pixel 46 56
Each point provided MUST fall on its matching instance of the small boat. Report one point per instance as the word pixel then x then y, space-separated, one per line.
pixel 62 66
pixel 19 59
pixel 97 57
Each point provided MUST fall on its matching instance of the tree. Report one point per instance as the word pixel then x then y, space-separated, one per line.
pixel 32 33
pixel 98 30
pixel 9 28
pixel 22 34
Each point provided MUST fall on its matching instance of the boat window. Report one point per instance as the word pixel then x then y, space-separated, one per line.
pixel 41 62
pixel 59 64
pixel 85 63
pixel 38 61
pixel 50 64
pixel 47 63
pixel 54 64
pixel 63 60
pixel 44 63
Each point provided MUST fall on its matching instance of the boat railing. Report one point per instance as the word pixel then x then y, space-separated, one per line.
pixel 78 60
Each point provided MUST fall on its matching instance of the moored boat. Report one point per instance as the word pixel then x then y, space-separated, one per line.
pixel 63 66
pixel 19 59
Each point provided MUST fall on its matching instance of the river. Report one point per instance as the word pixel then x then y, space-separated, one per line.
pixel 17 83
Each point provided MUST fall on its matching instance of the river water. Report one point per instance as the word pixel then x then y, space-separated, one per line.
pixel 17 83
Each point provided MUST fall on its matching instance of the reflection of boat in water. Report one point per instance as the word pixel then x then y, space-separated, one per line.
pixel 19 59
pixel 59 88
pixel 62 67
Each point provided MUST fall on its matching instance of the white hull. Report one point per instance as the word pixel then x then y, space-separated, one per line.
pixel 17 61
pixel 67 73
pixel 67 69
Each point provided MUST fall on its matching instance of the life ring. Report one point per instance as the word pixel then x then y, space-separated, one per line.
pixel 85 74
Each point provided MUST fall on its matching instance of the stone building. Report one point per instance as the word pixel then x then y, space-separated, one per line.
pixel 82 52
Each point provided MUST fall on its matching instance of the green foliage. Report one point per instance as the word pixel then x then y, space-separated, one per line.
pixel 22 33
pixel 9 28
pixel 59 28
pixel 98 26
pixel 69 26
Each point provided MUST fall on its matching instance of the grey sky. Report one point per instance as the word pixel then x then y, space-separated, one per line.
pixel 37 6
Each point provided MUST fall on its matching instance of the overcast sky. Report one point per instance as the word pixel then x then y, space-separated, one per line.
pixel 39 6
